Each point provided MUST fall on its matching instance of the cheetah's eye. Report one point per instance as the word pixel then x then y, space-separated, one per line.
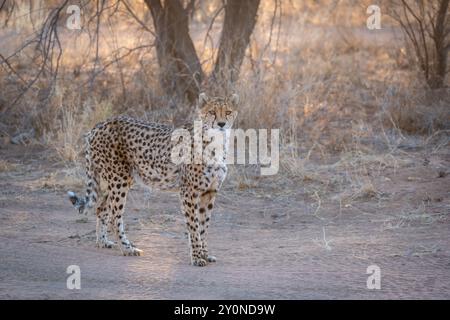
pixel 228 113
pixel 212 112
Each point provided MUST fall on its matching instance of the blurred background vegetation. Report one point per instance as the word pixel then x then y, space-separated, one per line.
pixel 311 68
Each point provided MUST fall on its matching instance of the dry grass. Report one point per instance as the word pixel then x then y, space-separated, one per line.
pixel 65 179
pixel 73 122
pixel 416 112
pixel 414 217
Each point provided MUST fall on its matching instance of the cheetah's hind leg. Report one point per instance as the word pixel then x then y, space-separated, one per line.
pixel 117 197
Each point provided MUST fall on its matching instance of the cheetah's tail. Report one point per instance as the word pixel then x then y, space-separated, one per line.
pixel 84 204
pixel 78 202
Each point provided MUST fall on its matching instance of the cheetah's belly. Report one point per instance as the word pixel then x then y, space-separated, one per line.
pixel 164 180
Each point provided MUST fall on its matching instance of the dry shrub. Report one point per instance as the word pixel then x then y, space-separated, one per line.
pixel 422 112
pixel 425 27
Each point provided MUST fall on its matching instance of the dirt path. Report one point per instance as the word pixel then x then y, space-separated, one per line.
pixel 269 245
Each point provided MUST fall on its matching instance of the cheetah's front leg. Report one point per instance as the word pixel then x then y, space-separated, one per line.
pixel 206 205
pixel 117 197
pixel 188 204
pixel 103 218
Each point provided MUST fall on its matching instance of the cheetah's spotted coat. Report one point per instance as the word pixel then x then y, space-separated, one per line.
pixel 122 148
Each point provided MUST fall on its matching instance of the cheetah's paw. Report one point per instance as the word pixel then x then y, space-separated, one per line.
pixel 133 251
pixel 208 257
pixel 199 262
pixel 108 244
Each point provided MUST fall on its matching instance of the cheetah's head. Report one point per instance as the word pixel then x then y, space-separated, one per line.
pixel 218 112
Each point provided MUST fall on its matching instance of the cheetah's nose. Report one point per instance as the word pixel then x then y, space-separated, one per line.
pixel 221 124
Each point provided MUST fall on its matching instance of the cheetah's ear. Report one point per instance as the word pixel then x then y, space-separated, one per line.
pixel 202 99
pixel 234 99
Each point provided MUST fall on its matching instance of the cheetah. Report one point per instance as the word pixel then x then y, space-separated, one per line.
pixel 122 150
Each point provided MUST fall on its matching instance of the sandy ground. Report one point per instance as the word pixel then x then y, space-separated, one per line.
pixel 271 241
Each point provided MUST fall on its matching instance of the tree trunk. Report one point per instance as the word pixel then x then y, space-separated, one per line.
pixel 181 70
pixel 240 19
pixel 442 48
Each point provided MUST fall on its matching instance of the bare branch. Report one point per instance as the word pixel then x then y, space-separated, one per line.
pixel 141 23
